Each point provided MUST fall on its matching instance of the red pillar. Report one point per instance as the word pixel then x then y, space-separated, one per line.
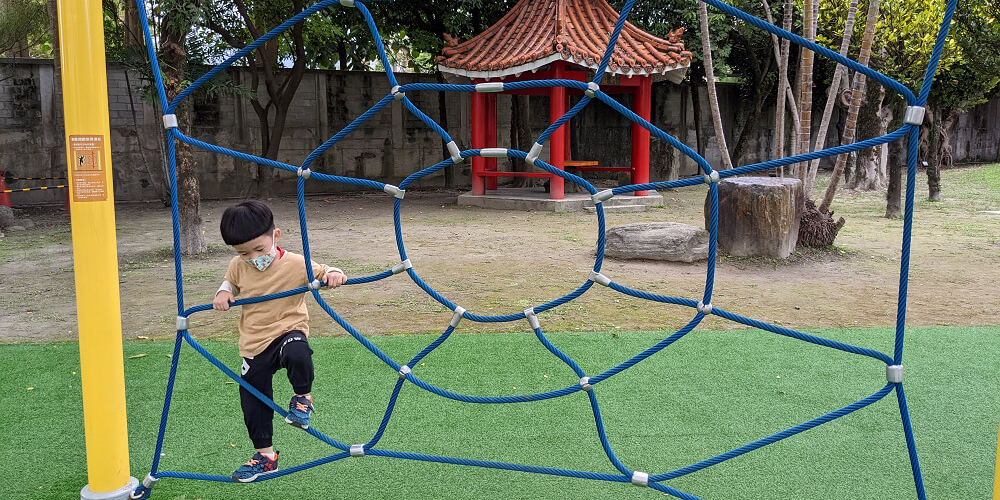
pixel 569 155
pixel 640 136
pixel 557 142
pixel 478 139
pixel 4 197
pixel 491 137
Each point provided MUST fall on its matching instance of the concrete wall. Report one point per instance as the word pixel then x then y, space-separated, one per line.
pixel 391 145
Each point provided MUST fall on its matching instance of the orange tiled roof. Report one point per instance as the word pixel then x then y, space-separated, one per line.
pixel 537 32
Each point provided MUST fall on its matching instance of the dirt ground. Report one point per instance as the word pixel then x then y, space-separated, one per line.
pixel 500 262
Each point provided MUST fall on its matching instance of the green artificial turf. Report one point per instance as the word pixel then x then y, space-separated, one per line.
pixel 709 393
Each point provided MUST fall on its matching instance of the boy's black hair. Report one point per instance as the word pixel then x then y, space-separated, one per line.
pixel 246 221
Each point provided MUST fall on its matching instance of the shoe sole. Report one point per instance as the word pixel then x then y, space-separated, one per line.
pixel 296 424
pixel 252 478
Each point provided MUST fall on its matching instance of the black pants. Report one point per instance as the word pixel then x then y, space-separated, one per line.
pixel 290 351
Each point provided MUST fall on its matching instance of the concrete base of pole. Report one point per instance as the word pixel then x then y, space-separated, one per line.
pixel 119 494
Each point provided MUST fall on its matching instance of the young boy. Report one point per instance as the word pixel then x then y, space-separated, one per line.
pixel 272 333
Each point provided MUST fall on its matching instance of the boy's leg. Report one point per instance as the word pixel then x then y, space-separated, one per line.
pixel 295 357
pixel 258 416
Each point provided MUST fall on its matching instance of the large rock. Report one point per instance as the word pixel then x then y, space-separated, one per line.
pixel 758 215
pixel 6 217
pixel 657 241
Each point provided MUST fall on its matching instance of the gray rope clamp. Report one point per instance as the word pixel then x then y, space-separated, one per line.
pixel 315 285
pixel 914 115
pixel 602 196
pixel 182 323
pixel 711 178
pixel 592 89
pixel 149 481
pixel 169 121
pixel 456 154
pixel 493 152
pixel 529 314
pixel 536 149
pixel 347 3
pixel 396 94
pixel 357 450
pixel 704 308
pixel 640 478
pixel 489 87
pixel 585 384
pixel 459 311
pixel 599 278
pixel 304 173
pixel 404 371
pixel 402 266
pixel 894 373
pixel 394 191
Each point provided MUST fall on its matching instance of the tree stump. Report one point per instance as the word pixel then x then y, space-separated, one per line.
pixel 758 216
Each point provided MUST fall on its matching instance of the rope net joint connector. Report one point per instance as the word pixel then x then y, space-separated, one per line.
pixel 536 149
pixel 711 178
pixel 894 373
pixel 394 191
pixel 532 318
pixel 640 478
pixel 914 115
pixel 456 154
pixel 315 285
pixel 182 322
pixel 602 196
pixel 592 88
pixel 169 121
pixel 396 94
pixel 149 481
pixel 347 3
pixel 599 278
pixel 402 266
pixel 704 308
pixel 459 311
pixel 304 173
pixel 493 152
pixel 357 450
pixel 585 384
pixel 403 371
pixel 489 87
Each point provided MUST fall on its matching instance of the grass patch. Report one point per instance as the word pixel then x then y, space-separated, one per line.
pixel 708 393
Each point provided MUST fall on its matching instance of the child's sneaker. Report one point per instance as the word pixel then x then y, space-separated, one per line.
pixel 257 466
pixel 299 410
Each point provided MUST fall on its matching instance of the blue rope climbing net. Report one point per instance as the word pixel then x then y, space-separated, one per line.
pixel 586 384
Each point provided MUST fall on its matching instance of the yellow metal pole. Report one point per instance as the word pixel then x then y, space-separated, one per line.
pixel 996 475
pixel 95 253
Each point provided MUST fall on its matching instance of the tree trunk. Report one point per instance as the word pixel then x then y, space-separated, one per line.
pixel 449 173
pixel 857 92
pixel 870 174
pixel 831 99
pixel 897 163
pixel 699 132
pixel 806 60
pixel 781 54
pixel 713 98
pixel 940 148
pixel 173 57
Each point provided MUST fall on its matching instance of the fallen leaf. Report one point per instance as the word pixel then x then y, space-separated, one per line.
pixel 421 364
pixel 515 388
pixel 779 376
pixel 546 376
pixel 233 445
pixel 171 356
pixel 140 355
pixel 228 382
pixel 74 373
pixel 142 337
pixel 31 388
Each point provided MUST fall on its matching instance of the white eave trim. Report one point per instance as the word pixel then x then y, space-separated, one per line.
pixel 672 73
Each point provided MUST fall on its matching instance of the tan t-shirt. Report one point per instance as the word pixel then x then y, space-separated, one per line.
pixel 262 322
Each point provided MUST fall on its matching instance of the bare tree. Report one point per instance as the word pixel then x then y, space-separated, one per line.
pixel 784 88
pixel 857 93
pixel 838 74
pixel 807 59
pixel 713 98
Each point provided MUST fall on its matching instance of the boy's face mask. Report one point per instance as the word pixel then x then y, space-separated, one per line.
pixel 263 261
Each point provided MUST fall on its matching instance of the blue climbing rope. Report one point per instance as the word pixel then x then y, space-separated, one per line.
pixel 587 384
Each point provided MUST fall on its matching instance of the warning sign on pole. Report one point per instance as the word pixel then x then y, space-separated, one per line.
pixel 90 182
